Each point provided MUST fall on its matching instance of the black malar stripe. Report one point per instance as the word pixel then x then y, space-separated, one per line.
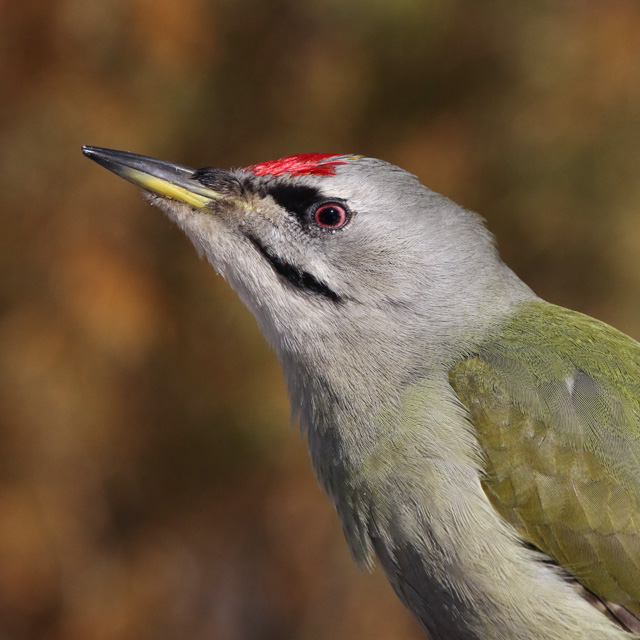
pixel 297 278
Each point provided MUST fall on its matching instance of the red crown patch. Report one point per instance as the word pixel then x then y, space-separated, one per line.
pixel 303 164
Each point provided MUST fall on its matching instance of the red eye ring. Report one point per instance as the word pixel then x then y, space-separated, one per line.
pixel 331 215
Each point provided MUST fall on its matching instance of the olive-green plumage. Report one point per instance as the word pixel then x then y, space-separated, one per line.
pixel 555 400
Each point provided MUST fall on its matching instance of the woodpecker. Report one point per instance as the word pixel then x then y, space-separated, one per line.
pixel 479 443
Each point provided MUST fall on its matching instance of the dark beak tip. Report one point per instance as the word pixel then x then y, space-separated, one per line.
pixel 93 153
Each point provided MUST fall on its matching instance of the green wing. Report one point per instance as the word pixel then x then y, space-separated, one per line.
pixel 555 400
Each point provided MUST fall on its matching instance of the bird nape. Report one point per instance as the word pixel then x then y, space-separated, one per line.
pixel 481 444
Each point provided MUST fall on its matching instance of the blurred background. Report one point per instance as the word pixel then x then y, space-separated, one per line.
pixel 150 487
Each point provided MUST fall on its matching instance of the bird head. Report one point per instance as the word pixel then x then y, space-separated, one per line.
pixel 344 260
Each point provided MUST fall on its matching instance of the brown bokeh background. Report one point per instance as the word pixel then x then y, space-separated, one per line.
pixel 149 485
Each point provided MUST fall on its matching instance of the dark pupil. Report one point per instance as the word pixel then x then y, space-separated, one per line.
pixel 330 216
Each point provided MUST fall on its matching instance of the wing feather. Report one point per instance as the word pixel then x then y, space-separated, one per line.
pixel 555 402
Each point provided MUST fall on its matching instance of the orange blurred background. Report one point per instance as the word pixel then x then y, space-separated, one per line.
pixel 149 485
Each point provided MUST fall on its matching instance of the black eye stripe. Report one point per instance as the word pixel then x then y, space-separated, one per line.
pixel 295 198
pixel 304 203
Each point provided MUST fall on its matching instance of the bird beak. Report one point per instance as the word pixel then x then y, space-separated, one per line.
pixel 158 176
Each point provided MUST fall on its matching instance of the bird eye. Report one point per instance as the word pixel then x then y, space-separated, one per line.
pixel 331 216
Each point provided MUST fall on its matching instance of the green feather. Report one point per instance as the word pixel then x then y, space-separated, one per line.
pixel 555 402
